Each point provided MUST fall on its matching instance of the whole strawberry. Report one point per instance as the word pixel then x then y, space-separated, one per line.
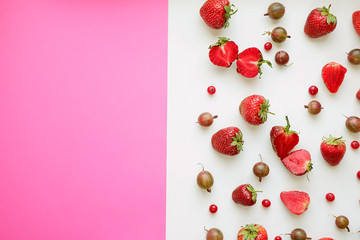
pixel 216 13
pixel 333 75
pixel 228 141
pixel 356 21
pixel 320 22
pixel 245 195
pixel 333 150
pixel 252 232
pixel 224 52
pixel 283 139
pixel 249 62
pixel 254 109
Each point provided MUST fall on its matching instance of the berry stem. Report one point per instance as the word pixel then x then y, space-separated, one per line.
pixel 267 32
pixel 266 14
pixel 288 36
pixel 261 158
pixel 205 229
pixel 216 116
pixel 208 190
pixel 202 166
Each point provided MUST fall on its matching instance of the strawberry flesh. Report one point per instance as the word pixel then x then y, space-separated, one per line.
pixel 223 53
pixel 356 21
pixel 249 62
pixel 297 202
pixel 333 75
pixel 298 162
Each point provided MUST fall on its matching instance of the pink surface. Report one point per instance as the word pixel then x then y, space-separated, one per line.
pixel 82 119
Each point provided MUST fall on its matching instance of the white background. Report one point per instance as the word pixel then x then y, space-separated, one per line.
pixel 190 72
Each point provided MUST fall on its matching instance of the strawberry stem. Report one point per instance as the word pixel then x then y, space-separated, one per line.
pixel 228 13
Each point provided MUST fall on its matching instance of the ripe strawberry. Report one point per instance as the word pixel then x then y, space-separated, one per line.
pixel 254 109
pixel 228 141
pixel 245 195
pixel 297 202
pixel 249 62
pixel 333 150
pixel 356 21
pixel 298 162
pixel 326 238
pixel 216 13
pixel 283 139
pixel 224 52
pixel 252 232
pixel 320 22
pixel 333 75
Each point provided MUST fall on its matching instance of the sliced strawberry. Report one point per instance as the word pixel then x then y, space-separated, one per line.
pixel 249 62
pixel 333 75
pixel 297 202
pixel 224 52
pixel 298 162
pixel 356 21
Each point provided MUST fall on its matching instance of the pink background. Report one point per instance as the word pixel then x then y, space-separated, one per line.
pixel 82 119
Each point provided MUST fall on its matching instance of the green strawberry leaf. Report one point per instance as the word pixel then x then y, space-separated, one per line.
pixel 333 141
pixel 228 12
pixel 237 141
pixel 222 41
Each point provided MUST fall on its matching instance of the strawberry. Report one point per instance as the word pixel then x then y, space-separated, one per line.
pixel 356 21
pixel 333 150
pixel 333 75
pixel 224 52
pixel 297 202
pixel 254 109
pixel 216 13
pixel 244 195
pixel 298 162
pixel 283 139
pixel 326 238
pixel 228 141
pixel 320 22
pixel 249 62
pixel 252 232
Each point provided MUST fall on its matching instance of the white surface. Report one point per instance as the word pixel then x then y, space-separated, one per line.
pixel 190 73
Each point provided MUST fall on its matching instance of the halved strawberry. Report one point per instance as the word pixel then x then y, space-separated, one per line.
pixel 297 202
pixel 298 162
pixel 333 75
pixel 249 62
pixel 356 21
pixel 224 52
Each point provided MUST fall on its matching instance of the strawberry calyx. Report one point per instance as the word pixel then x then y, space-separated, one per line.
pixel 287 127
pixel 260 62
pixel 228 13
pixel 333 141
pixel 250 232
pixel 222 41
pixel 326 12
pixel 264 110
pixel 238 142
pixel 253 192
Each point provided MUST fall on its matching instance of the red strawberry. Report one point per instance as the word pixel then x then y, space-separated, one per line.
pixel 356 21
pixel 228 141
pixel 320 22
pixel 216 13
pixel 326 238
pixel 224 52
pixel 252 232
pixel 254 109
pixel 283 139
pixel 333 150
pixel 245 195
pixel 297 202
pixel 298 162
pixel 250 61
pixel 333 75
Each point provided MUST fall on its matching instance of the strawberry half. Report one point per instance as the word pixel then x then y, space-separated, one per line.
pixel 356 21
pixel 333 150
pixel 320 22
pixel 283 139
pixel 333 75
pixel 216 13
pixel 228 141
pixel 252 232
pixel 254 109
pixel 245 195
pixel 249 62
pixel 298 162
pixel 297 202
pixel 224 52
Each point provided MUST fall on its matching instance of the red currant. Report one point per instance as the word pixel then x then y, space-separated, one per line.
pixel 313 90
pixel 266 203
pixel 268 46
pixel 213 208
pixel 330 197
pixel 358 174
pixel 358 95
pixel 211 90
pixel 277 238
pixel 355 144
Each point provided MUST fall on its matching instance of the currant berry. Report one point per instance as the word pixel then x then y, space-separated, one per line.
pixel 266 203
pixel 355 144
pixel 330 197
pixel 211 90
pixel 268 46
pixel 313 90
pixel 213 208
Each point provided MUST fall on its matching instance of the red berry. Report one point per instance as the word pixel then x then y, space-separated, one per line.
pixel 313 90
pixel 268 46
pixel 358 95
pixel 213 208
pixel 211 90
pixel 355 144
pixel 358 174
pixel 277 238
pixel 330 197
pixel 266 203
